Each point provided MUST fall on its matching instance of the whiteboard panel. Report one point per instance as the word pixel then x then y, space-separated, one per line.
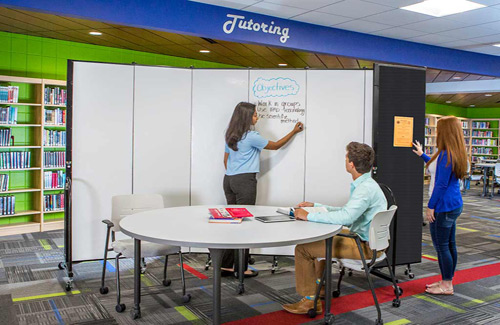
pixel 215 94
pixel 280 96
pixel 335 115
pixel 162 133
pixel 102 150
pixel 368 107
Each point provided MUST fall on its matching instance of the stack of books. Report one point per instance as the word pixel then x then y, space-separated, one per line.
pixel 228 215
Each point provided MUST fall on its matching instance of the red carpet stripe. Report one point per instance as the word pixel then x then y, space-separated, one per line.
pixel 364 299
pixel 194 272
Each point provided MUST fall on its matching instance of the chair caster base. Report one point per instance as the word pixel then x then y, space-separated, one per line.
pixel 206 267
pixel 135 313
pixel 251 261
pixel 69 286
pixel 336 294
pixel 143 270
pixel 241 289
pixel 103 290
pixel 61 266
pixel 329 318
pixel 400 291
pixel 379 322
pixel 186 298
pixel 120 308
pixel 396 303
pixel 167 282
pixel 312 313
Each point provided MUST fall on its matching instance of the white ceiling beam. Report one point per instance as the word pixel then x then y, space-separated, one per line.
pixel 455 87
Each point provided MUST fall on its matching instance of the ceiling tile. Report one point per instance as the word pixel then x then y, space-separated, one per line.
pixel 486 40
pixel 395 3
pixel 487 2
pixel 397 17
pixel 320 18
pixel 488 50
pixel 460 44
pixel 308 4
pixel 469 32
pixel 275 10
pixel 235 4
pixel 434 39
pixel 483 15
pixel 435 25
pixel 362 26
pixel 494 25
pixel 399 33
pixel 355 8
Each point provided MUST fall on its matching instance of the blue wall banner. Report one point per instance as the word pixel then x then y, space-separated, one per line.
pixel 220 23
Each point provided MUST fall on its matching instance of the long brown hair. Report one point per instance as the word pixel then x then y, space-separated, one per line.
pixel 450 137
pixel 241 123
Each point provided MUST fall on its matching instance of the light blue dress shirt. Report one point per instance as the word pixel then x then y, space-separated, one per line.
pixel 247 158
pixel 366 200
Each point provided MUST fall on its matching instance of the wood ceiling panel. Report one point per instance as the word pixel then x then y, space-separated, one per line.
pixel 240 49
pixel 310 59
pixel 444 76
pixel 459 76
pixel 126 36
pixel 331 62
pixel 442 99
pixel 365 64
pixel 244 61
pixel 12 29
pixel 487 78
pixel 431 74
pixel 348 63
pixel 105 38
pixel 294 61
pixel 472 77
pixel 20 24
pixel 147 35
pixel 89 23
pixel 214 48
pixel 260 50
pixel 174 38
pixel 28 19
pixel 66 23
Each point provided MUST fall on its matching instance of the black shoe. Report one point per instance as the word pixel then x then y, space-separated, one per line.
pixel 226 273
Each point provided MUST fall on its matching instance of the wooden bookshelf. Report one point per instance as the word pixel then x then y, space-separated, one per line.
pixel 30 215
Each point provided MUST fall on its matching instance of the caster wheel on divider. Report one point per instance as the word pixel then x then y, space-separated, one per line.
pixel 206 267
pixel 336 294
pixel 396 303
pixel 103 290
pixel 251 261
pixel 61 266
pixel 167 282
pixel 143 270
pixel 411 275
pixel 120 308
pixel 379 322
pixel 400 291
pixel 273 271
pixel 406 272
pixel 329 319
pixel 350 273
pixel 311 313
pixel 69 287
pixel 186 298
pixel 241 289
pixel 135 314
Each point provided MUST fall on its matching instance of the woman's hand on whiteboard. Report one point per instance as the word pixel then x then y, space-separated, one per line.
pixel 300 214
pixel 299 127
pixel 305 204
pixel 418 148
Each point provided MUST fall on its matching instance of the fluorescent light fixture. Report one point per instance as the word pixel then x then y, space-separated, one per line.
pixel 440 8
pixel 448 102
pixel 204 51
pixel 472 105
pixel 488 95
pixel 497 45
pixel 456 78
pixel 95 33
pixel 282 64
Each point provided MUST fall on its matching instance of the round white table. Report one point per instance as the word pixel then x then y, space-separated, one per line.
pixel 189 226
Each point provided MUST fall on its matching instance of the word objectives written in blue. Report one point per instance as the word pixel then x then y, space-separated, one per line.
pixel 275 87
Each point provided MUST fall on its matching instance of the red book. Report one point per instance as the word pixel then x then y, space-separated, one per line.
pixel 220 213
pixel 239 212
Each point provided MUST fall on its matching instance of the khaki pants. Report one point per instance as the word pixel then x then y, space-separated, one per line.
pixel 308 269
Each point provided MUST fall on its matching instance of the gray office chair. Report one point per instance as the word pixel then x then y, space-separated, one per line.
pixel 379 235
pixel 125 205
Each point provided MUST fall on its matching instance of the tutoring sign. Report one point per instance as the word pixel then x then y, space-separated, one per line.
pixel 255 26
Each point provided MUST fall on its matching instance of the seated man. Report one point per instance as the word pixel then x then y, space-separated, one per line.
pixel 366 200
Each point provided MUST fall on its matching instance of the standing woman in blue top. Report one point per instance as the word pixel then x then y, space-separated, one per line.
pixel 445 203
pixel 241 159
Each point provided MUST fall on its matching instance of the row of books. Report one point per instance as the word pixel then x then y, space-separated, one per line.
pixel 54 159
pixel 15 160
pixel 480 125
pixel 54 179
pixel 8 115
pixel 466 133
pixel 5 137
pixel 483 151
pixel 429 151
pixel 228 215
pixel 478 158
pixel 488 134
pixel 465 124
pixel 467 141
pixel 7 205
pixel 4 182
pixel 428 131
pixel 55 96
pixel 427 120
pixel 55 117
pixel 54 138
pixel 9 94
pixel 484 142
pixel 53 202
pixel 428 141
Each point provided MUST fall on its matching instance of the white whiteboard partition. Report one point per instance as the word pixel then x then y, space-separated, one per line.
pixel 368 106
pixel 102 150
pixel 280 96
pixel 335 117
pixel 162 133
pixel 215 94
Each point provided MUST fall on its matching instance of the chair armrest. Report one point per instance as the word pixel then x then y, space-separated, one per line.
pixel 108 223
pixel 349 235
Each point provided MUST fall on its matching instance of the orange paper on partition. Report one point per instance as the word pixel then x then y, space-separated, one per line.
pixel 403 131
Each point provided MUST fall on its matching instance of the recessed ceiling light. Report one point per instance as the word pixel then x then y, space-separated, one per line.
pixel 282 64
pixel 456 78
pixel 204 51
pixel 95 33
pixel 472 105
pixel 488 95
pixel 440 8
pixel 448 102
pixel 497 45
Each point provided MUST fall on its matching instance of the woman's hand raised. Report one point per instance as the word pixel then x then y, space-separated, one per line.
pixel 418 148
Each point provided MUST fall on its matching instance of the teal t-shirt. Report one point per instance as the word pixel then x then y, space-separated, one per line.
pixel 246 159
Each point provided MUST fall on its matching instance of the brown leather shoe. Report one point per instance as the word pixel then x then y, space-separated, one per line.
pixel 303 306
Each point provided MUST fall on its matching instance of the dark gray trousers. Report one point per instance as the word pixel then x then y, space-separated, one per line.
pixel 239 189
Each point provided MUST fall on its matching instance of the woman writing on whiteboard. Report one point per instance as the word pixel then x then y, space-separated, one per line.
pixel 241 160
pixel 445 203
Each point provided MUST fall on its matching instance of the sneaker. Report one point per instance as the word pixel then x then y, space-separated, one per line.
pixel 303 306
